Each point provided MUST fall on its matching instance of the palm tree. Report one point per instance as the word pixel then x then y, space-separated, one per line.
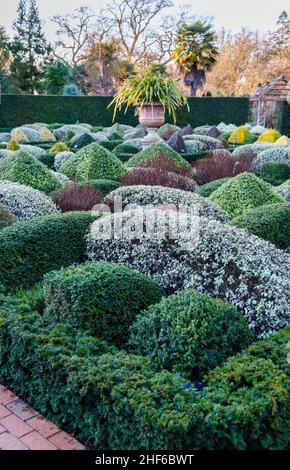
pixel 195 53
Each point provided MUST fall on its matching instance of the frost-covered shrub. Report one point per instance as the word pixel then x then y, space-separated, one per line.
pixel 193 146
pixel 4 137
pixel 270 222
pixel 250 151
pixel 189 333
pixel 244 192
pixel 46 135
pixel 25 202
pixel 155 151
pixel 137 133
pixel 33 150
pixel 60 134
pixel 23 168
pixel 102 298
pixel 60 158
pixel 226 128
pixel 274 154
pixel 151 196
pixel 135 142
pixel 258 129
pixel 208 143
pixel 75 128
pixel 284 191
pixel 6 217
pixel 63 179
pixel 19 135
pixel 201 130
pixel 270 135
pixel 167 130
pixel 222 261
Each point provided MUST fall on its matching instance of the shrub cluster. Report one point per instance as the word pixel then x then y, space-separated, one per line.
pixel 270 222
pixel 26 169
pixel 242 193
pixel 189 333
pixel 77 197
pixel 274 154
pixel 102 298
pixel 25 202
pixel 115 400
pixel 204 254
pixel 30 249
pixel 218 164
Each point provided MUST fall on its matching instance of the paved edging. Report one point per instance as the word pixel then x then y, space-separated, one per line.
pixel 23 428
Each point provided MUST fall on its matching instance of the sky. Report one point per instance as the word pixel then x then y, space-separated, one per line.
pixel 231 14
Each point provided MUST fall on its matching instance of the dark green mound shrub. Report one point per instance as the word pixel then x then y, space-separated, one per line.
pixel 47 159
pixel 81 141
pixel 243 193
pixel 103 298
pixel 125 148
pixel 6 217
pixel 275 173
pixel 270 222
pixel 189 332
pixel 155 151
pixel 24 168
pixel 206 189
pixel 30 249
pixel 110 144
pixel 115 136
pixel 93 162
pixel 105 186
pixel 117 401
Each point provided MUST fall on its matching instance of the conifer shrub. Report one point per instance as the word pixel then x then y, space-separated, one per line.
pixel 155 151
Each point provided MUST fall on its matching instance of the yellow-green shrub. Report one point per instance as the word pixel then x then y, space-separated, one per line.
pixel 59 147
pixel 239 136
pixel 13 145
pixel 269 136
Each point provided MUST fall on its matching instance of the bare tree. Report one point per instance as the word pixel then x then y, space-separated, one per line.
pixel 74 33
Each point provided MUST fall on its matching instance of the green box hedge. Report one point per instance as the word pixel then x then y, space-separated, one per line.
pixel 114 400
pixel 30 249
pixel 22 109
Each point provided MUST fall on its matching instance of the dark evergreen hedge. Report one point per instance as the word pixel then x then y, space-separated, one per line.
pixel 20 109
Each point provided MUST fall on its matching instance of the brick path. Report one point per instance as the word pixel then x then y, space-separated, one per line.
pixel 23 428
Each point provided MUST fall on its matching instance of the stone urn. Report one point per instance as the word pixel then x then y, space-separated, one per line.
pixel 151 116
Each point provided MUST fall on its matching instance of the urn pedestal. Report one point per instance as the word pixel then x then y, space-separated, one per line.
pixel 152 117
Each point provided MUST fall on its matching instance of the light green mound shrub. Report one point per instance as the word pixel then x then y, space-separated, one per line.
pixel 154 151
pixel 30 249
pixel 206 189
pixel 244 192
pixel 270 222
pixel 190 333
pixel 93 162
pixel 275 173
pixel 6 217
pixel 23 168
pixel 102 298
pixel 115 400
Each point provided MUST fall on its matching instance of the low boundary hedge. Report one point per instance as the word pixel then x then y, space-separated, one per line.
pixel 114 400
pixel 30 249
pixel 22 109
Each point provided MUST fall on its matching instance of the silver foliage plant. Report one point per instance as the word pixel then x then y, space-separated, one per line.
pixel 222 261
pixel 25 202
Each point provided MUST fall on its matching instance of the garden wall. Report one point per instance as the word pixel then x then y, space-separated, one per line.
pixel 16 110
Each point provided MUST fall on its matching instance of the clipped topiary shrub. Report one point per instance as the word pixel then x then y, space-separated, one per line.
pixel 250 151
pixel 271 135
pixel 102 298
pixel 155 151
pixel 125 148
pixel 275 154
pixel 45 135
pixel 189 333
pixel 153 176
pixel 284 190
pixel 275 173
pixel 201 253
pixel 77 197
pixel 80 141
pixel 239 136
pixel 26 169
pixel 13 145
pixel 167 130
pixel 270 222
pixel 25 202
pixel 6 217
pixel 104 185
pixel 30 249
pixel 242 193
pixel 151 196
pixel 206 189
pixel 59 147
